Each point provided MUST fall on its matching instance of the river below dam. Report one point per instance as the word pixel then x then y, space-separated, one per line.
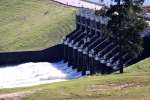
pixel 29 74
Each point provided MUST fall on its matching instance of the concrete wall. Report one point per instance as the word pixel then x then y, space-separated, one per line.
pixel 146 46
pixel 52 54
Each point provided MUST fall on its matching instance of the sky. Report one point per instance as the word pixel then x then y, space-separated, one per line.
pixel 147 2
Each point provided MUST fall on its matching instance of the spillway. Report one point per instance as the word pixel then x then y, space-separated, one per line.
pixel 90 48
pixel 30 74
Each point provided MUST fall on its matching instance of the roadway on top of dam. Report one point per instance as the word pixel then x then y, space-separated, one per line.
pixel 79 3
pixel 91 4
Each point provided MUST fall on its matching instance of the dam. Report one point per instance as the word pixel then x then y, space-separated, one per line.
pixel 85 51
pixel 89 49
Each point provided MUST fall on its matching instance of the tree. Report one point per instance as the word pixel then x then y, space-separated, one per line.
pixel 125 25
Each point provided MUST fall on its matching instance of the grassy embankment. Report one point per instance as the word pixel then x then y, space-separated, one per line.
pixel 38 24
pixel 134 84
pixel 33 24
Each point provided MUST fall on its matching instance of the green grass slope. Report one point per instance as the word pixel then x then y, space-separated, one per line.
pixel 33 24
pixel 134 84
pixel 38 24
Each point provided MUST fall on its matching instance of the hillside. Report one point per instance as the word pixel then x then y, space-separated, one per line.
pixel 134 84
pixel 39 24
pixel 33 24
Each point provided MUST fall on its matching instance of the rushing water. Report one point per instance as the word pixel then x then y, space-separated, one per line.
pixel 108 2
pixel 29 74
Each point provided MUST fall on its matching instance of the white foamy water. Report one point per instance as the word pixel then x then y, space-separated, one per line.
pixel 29 74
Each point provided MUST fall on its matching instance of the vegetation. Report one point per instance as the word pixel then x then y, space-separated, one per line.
pixel 33 24
pixel 125 25
pixel 134 84
pixel 38 24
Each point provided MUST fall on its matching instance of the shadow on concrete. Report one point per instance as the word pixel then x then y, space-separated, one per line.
pixel 52 54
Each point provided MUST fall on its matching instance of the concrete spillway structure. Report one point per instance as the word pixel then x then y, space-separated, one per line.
pixel 88 49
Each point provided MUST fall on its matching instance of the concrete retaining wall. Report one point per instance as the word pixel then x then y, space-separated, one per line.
pixel 52 54
pixel 146 46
